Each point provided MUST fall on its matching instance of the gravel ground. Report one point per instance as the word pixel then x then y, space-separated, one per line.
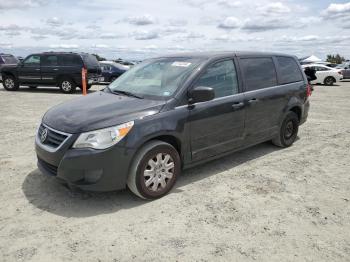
pixel 262 204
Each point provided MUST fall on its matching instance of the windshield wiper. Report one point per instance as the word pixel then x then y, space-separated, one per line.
pixel 127 93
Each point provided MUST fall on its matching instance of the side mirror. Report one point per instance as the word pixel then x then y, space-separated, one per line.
pixel 201 94
pixel 345 68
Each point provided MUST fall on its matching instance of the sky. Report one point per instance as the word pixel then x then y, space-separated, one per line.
pixel 138 29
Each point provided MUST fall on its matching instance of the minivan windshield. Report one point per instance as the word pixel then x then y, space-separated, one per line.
pixel 158 78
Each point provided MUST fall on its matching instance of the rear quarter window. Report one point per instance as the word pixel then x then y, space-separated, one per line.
pixel 258 72
pixel 70 60
pixel 289 70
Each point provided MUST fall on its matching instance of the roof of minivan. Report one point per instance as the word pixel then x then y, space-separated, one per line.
pixel 218 54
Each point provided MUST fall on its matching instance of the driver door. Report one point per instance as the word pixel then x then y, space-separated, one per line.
pixel 29 71
pixel 217 126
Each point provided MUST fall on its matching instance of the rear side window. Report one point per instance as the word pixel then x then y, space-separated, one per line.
pixel 221 77
pixel 49 60
pixel 258 72
pixel 70 60
pixel 289 70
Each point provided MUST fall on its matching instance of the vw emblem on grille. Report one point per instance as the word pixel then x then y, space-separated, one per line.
pixel 43 135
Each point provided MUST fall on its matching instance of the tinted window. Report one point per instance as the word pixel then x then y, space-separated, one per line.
pixel 49 60
pixel 9 59
pixel 289 70
pixel 221 77
pixel 70 60
pixel 33 60
pixel 90 60
pixel 259 73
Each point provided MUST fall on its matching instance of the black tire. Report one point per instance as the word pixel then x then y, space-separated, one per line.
pixel 329 81
pixel 10 83
pixel 137 180
pixel 288 131
pixel 67 86
pixel 32 87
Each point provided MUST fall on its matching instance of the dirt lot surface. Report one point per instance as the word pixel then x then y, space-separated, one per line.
pixel 262 204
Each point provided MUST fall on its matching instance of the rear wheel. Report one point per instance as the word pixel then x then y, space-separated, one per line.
pixel 288 131
pixel 67 86
pixel 10 83
pixel 154 170
pixel 329 81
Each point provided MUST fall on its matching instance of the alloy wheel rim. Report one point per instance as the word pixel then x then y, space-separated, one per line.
pixel 9 83
pixel 66 86
pixel 159 172
pixel 289 130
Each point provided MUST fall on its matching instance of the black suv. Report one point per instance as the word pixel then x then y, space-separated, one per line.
pixel 60 69
pixel 170 113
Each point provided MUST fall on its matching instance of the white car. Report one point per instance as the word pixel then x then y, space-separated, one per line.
pixel 325 75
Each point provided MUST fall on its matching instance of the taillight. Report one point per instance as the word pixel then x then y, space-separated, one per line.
pixel 308 90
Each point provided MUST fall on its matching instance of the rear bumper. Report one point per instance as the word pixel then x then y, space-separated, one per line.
pixel 87 169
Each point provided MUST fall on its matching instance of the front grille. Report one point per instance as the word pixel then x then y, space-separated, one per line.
pixel 51 169
pixel 53 139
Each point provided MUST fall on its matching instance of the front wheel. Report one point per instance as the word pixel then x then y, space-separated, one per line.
pixel 67 86
pixel 329 81
pixel 154 170
pixel 10 83
pixel 288 131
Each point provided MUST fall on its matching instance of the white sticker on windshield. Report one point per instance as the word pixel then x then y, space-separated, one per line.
pixel 166 93
pixel 182 64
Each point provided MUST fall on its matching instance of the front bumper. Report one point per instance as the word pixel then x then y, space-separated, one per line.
pixel 87 169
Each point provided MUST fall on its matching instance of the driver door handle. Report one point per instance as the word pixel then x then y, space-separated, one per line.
pixel 237 105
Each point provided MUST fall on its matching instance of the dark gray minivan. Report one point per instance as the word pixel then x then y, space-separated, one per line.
pixel 171 113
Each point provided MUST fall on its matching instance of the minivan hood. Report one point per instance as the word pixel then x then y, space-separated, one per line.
pixel 98 110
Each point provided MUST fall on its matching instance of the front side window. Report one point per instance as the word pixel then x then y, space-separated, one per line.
pixel 33 60
pixel 157 77
pixel 289 70
pixel 258 72
pixel 222 77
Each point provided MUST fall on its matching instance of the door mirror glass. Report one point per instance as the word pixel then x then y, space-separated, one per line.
pixel 201 94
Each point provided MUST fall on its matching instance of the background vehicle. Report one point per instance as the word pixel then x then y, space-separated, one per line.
pixel 325 75
pixel 345 70
pixel 60 69
pixel 112 70
pixel 170 113
pixel 7 60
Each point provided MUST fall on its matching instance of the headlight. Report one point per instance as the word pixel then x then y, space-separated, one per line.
pixel 103 138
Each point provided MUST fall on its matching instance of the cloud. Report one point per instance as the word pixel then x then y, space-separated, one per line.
pixel 260 24
pixel 276 8
pixel 336 11
pixel 141 20
pixel 6 45
pixel 145 35
pixel 177 22
pixel 64 46
pixel 102 46
pixel 229 23
pixel 229 3
pixel 54 21
pixel 20 4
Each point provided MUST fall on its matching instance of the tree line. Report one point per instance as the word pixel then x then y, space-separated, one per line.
pixel 335 59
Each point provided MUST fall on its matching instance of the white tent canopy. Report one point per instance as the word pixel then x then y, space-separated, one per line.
pixel 312 59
